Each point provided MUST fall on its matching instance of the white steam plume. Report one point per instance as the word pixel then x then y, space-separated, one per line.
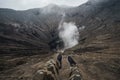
pixel 69 33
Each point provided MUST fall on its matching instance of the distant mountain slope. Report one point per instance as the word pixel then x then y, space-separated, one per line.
pixel 28 29
pixel 101 20
pixel 36 28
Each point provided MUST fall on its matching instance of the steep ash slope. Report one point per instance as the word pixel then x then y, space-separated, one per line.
pixel 100 18
pixel 37 28
pixel 30 29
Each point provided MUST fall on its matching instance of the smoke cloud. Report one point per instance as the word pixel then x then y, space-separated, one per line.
pixel 81 28
pixel 69 33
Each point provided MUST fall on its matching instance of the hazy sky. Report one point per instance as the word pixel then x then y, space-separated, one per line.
pixel 27 4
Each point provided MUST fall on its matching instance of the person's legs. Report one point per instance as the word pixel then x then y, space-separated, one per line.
pixel 75 73
pixel 52 67
pixel 50 70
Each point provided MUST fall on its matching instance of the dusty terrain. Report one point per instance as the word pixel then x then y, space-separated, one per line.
pixel 94 64
pixel 24 41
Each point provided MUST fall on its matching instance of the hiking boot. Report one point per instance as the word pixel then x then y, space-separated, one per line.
pixel 71 61
pixel 75 73
pixel 59 60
